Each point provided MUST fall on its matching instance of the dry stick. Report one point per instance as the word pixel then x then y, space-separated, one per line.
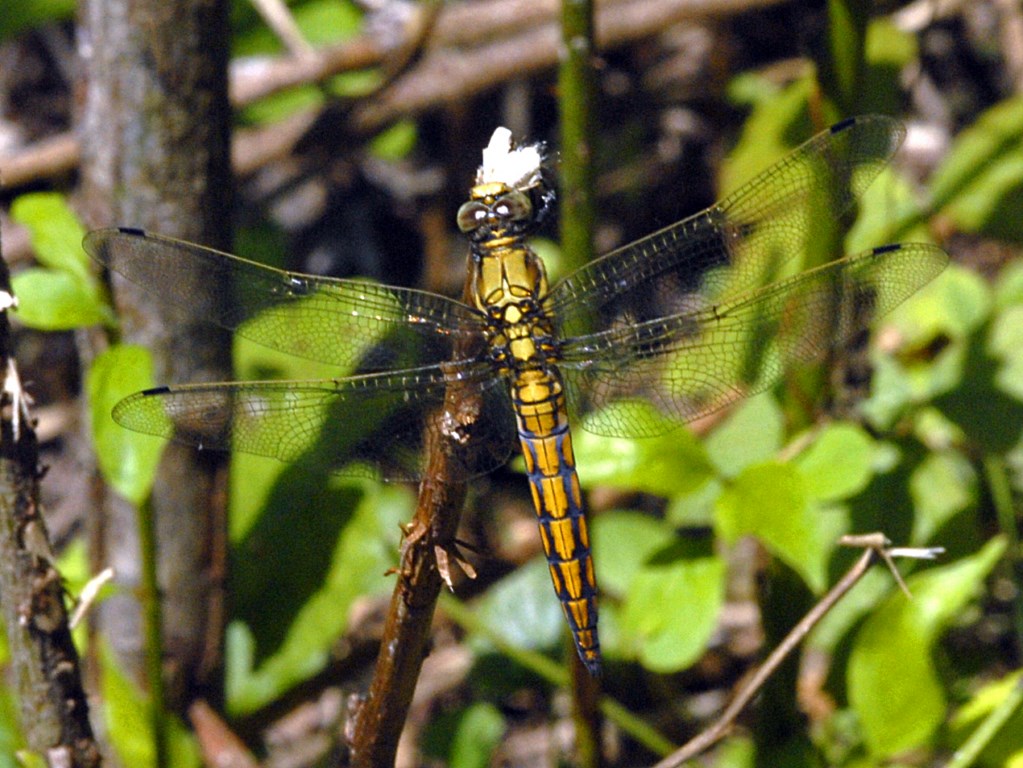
pixel 54 711
pixel 429 540
pixel 427 85
pixel 220 746
pixel 875 544
pixel 278 17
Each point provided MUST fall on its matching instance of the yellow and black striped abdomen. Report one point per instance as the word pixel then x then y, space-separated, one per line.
pixel 546 440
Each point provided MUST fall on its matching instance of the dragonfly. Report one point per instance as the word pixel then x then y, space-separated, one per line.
pixel 654 334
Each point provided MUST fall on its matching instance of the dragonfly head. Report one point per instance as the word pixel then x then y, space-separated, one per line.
pixel 512 194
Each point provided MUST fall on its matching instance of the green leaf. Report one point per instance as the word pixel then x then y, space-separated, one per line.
pixel 779 122
pixel 522 608
pixel 671 610
pixel 770 501
pixel 942 485
pixel 987 709
pixel 55 232
pixel 892 681
pixel 127 716
pixel 978 183
pixel 128 460
pixel 476 736
pixel 26 14
pixel 396 142
pixel 841 63
pixel 52 300
pixel 671 463
pixel 888 211
pixel 838 464
pixel 25 759
pixel 955 303
pixel 953 306
pixel 1009 285
pixel 321 22
pixel 889 51
pixel 623 541
pixel 347 540
pixel 752 433
pixel 325 22
pixel 1006 344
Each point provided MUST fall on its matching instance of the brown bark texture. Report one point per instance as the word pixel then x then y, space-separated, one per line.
pixel 54 711
pixel 154 131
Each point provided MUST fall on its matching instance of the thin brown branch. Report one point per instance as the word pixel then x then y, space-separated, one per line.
pixel 874 545
pixel 429 547
pixel 54 710
pixel 510 38
pixel 278 17
pixel 379 719
pixel 219 744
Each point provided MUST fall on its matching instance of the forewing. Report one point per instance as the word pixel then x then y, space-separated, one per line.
pixel 347 323
pixel 692 363
pixel 372 424
pixel 735 245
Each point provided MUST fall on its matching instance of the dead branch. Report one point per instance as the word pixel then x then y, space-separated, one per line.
pixel 54 710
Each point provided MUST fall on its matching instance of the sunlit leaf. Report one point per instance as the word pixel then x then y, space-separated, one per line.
pixel 55 231
pixel 1005 749
pixel 675 462
pixel 838 464
pixel 950 309
pixel 751 434
pixel 623 541
pixel 978 184
pixel 893 684
pixel 777 124
pixel 128 460
pixel 127 716
pixel 1006 343
pixel 476 736
pixel 317 562
pixel 943 485
pixel 671 610
pixel 395 142
pixel 53 300
pixel 770 501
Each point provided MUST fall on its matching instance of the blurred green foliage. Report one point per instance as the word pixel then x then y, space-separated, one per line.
pixel 941 431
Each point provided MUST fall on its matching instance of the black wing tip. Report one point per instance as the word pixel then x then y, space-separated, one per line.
pixel 153 391
pixel 93 238
pixel 135 231
pixel 843 125
pixel 882 249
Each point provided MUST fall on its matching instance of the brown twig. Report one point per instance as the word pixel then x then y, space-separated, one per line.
pixel 379 719
pixel 219 744
pixel 54 711
pixel 511 39
pixel 874 544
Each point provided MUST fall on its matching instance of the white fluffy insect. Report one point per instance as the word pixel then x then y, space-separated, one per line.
pixel 517 167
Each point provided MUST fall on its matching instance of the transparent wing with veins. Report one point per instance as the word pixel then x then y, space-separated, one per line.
pixel 694 316
pixel 400 343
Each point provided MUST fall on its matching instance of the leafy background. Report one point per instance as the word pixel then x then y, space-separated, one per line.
pixel 709 542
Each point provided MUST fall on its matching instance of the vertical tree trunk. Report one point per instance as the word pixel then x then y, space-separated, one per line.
pixel 154 130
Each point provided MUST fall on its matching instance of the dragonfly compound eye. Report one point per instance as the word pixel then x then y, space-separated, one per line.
pixel 514 206
pixel 471 215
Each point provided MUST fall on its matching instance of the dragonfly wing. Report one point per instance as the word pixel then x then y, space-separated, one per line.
pixel 692 363
pixel 373 424
pixel 347 323
pixel 734 245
